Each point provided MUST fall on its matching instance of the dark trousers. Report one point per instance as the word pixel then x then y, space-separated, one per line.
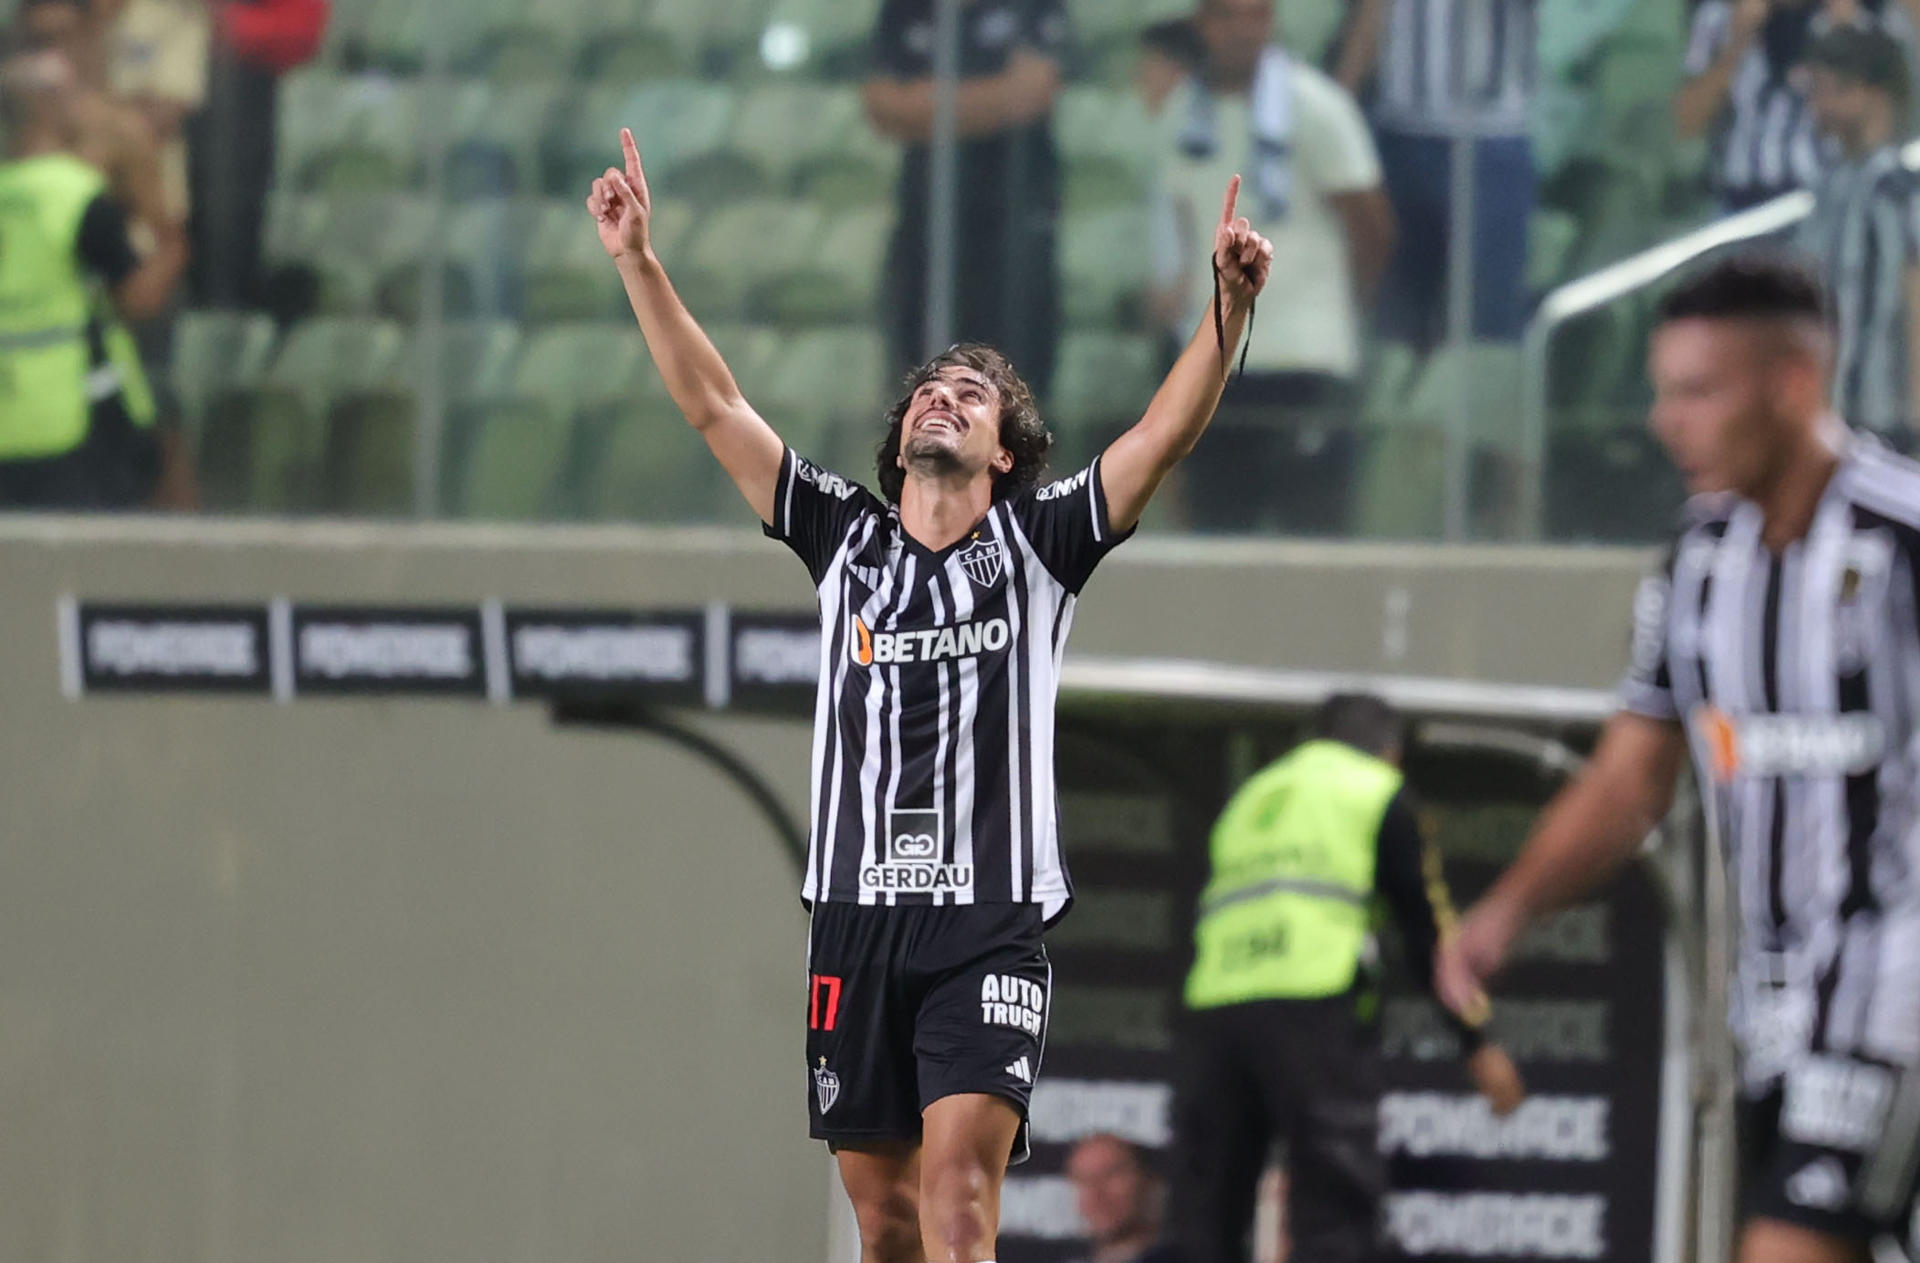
pixel 116 467
pixel 1280 455
pixel 1306 1074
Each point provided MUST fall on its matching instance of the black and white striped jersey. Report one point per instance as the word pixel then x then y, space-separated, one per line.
pixel 1797 677
pixel 1459 67
pixel 933 722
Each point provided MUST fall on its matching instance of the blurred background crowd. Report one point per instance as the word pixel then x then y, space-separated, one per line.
pixel 301 257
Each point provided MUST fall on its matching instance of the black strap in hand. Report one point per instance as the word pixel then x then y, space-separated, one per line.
pixel 1220 323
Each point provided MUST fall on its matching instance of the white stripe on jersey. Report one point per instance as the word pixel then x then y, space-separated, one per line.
pixel 964 731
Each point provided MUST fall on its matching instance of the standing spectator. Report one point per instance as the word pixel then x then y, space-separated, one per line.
pixel 156 61
pixel 1444 70
pixel 1744 88
pixel 1864 235
pixel 1006 286
pixel 1171 52
pixel 230 143
pixel 67 440
pixel 1121 1200
pixel 1283 451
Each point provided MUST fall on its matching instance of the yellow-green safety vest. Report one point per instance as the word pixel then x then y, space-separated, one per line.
pixel 1288 912
pixel 47 376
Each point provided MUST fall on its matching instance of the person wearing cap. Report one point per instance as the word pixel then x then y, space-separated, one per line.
pixel 1280 1042
pixel 1864 234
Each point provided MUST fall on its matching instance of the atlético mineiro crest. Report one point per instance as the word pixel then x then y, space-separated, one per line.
pixel 826 1086
pixel 983 560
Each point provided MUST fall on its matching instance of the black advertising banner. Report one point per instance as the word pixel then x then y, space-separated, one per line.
pixel 775 659
pixel 359 650
pixel 116 648
pixel 574 653
pixel 1570 1175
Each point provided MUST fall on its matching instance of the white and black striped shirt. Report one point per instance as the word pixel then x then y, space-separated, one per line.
pixel 1864 236
pixel 1767 143
pixel 1459 67
pixel 933 723
pixel 1797 676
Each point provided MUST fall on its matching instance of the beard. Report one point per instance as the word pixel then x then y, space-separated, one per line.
pixel 928 455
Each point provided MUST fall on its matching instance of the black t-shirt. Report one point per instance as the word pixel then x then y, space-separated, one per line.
pixel 104 246
pixel 1002 177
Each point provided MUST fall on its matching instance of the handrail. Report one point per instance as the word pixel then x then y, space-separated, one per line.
pixel 1613 282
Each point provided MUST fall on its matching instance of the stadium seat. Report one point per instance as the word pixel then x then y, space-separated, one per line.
pixel 709 29
pixel 349 243
pixel 835 33
pixel 1552 236
pixel 1104 262
pixel 736 248
pixel 398 33
pixel 567 274
pixel 840 280
pixel 1105 139
pixel 347 134
pixel 526 453
pixel 1103 383
pixel 822 380
pixel 672 120
pixel 861 169
pixel 496 135
pixel 213 354
pixel 265 448
pixel 782 127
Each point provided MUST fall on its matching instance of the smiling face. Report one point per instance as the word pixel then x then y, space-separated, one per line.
pixel 953 425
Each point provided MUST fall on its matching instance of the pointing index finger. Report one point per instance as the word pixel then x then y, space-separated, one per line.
pixel 1226 209
pixel 632 152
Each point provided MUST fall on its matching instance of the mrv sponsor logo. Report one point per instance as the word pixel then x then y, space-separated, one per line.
pixel 935 644
pixel 1789 745
pixel 911 855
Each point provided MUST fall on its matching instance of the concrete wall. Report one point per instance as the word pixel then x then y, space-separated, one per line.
pixel 389 980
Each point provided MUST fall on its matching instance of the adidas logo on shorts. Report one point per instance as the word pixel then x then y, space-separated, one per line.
pixel 1021 1071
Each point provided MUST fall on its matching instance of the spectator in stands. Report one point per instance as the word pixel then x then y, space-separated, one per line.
pixel 1006 289
pixel 231 141
pixel 156 61
pixel 1480 86
pixel 1121 1200
pixel 1170 53
pixel 1864 235
pixel 1744 88
pixel 67 437
pixel 1282 451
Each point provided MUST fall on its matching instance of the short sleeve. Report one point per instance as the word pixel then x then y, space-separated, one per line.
pixel 105 246
pixel 1048 31
pixel 1336 147
pixel 1709 35
pixel 1066 524
pixel 892 52
pixel 1647 688
pixel 814 511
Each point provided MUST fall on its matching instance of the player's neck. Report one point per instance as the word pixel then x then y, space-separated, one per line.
pixel 1792 496
pixel 939 511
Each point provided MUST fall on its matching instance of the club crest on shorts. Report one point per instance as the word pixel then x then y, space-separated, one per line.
pixel 826 1086
pixel 983 560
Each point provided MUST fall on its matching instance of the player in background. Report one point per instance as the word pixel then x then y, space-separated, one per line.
pixel 1778 644
pixel 935 860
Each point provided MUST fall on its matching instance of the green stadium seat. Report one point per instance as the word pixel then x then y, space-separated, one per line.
pixel 526 448
pixel 347 134
pixel 672 120
pixel 1104 262
pixel 739 247
pixel 567 273
pixel 496 135
pixel 835 31
pixel 708 28
pixel 1105 138
pixel 265 448
pixel 353 243
pixel 398 35
pixel 215 353
pixel 750 351
pixel 824 380
pixel 784 126
pixel 860 169
pixel 1103 383
pixel 840 281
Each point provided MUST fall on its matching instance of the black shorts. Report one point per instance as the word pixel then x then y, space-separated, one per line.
pixel 1807 1170
pixel 907 1005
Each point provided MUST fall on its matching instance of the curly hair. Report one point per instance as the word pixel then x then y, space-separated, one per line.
pixel 1021 430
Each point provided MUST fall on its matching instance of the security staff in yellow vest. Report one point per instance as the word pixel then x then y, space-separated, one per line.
pixel 1280 1043
pixel 71 435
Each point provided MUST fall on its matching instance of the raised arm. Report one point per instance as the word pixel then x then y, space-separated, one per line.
pixel 1134 466
pixel 1586 835
pixel 697 378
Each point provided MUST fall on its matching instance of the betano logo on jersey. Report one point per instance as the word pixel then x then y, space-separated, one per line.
pixel 935 644
pixel 1789 745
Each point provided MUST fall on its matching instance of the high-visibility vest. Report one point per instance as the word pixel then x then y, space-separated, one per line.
pixel 1288 912
pixel 47 378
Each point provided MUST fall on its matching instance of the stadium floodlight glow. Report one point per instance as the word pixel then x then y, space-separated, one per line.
pixel 784 45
